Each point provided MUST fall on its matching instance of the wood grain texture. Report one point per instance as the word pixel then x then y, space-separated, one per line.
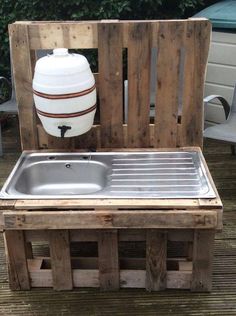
pixel 203 247
pixel 156 260
pixel 110 63
pixel 189 48
pixel 22 71
pixel 139 59
pixel 48 35
pixel 172 219
pixel 196 46
pixel 168 40
pixel 60 259
pixel 16 260
pixel 129 278
pixel 108 260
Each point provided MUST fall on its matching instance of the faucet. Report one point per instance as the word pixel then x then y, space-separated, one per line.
pixel 63 129
pixel 91 150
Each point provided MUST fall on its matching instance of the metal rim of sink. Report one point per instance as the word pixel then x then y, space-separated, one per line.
pixel 122 184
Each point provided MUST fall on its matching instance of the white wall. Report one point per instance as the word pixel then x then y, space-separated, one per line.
pixel 221 73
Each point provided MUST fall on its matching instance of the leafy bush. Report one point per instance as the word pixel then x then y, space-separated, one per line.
pixel 19 10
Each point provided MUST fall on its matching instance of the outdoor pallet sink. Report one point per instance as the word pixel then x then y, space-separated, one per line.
pixel 108 175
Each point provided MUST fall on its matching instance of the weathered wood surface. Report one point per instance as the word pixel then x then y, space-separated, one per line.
pixel 61 263
pixel 173 219
pixel 193 80
pixel 179 82
pixel 114 204
pixel 16 260
pixel 23 74
pixel 110 63
pixel 221 301
pixel 168 39
pixel 156 260
pixel 139 59
pixel 203 248
pixel 109 271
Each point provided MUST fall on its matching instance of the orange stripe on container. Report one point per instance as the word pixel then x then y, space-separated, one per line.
pixel 64 96
pixel 66 115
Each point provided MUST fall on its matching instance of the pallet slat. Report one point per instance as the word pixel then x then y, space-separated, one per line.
pixel 110 219
pixel 129 279
pixel 196 45
pixel 108 260
pixel 61 263
pixel 168 39
pixel 21 61
pixel 16 260
pixel 156 260
pixel 202 260
pixel 110 37
pixel 139 57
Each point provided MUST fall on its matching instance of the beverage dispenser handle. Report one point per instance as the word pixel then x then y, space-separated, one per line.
pixel 64 129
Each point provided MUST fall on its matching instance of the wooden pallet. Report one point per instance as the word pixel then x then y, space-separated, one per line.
pixel 158 224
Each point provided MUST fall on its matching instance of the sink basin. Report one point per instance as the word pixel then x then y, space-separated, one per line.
pixel 108 175
pixel 62 178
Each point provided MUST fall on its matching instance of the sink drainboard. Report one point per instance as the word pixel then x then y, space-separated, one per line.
pixel 109 175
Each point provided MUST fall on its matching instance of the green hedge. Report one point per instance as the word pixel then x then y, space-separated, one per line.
pixel 11 11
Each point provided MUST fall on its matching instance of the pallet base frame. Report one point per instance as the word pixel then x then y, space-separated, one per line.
pixel 191 269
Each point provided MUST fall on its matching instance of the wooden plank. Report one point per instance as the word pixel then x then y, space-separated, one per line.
pixel 156 260
pixel 202 260
pixel 60 259
pixel 7 204
pixel 110 204
pixel 111 219
pixel 168 39
pixel 41 278
pixel 178 279
pixel 110 59
pixel 114 204
pixel 21 61
pixel 16 260
pixel 60 34
pixel 108 260
pixel 196 45
pixel 90 140
pixel 1 221
pixel 34 264
pixel 191 204
pixel 129 278
pixel 139 58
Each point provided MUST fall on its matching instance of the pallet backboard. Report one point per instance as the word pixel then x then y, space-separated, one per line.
pixel 181 54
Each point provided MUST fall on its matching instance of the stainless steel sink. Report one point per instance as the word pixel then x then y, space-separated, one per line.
pixel 108 175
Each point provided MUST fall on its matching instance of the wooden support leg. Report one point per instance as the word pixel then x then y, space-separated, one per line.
pixel 60 259
pixel 108 260
pixel 202 260
pixel 156 258
pixel 16 260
